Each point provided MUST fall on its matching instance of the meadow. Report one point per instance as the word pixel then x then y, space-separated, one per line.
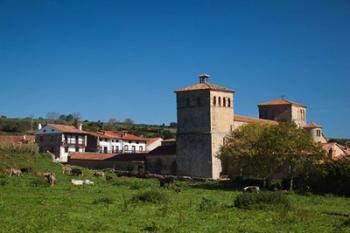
pixel 28 204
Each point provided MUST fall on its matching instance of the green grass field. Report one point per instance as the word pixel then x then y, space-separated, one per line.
pixel 28 205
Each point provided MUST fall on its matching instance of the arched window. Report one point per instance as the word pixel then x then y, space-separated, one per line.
pixel 224 101
pixel 229 102
pixel 219 101
pixel 214 101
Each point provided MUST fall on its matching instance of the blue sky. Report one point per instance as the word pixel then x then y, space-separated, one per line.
pixel 124 59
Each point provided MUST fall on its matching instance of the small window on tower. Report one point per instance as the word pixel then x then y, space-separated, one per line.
pixel 229 102
pixel 199 103
pixel 224 101
pixel 214 101
pixel 219 101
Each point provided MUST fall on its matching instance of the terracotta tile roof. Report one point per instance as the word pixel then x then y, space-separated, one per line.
pixel 90 156
pixel 312 125
pixel 151 140
pixel 248 119
pixel 204 86
pixel 17 139
pixel 281 102
pixel 100 135
pixel 124 136
pixel 67 128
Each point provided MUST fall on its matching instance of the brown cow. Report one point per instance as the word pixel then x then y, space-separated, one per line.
pixel 50 178
pixel 13 171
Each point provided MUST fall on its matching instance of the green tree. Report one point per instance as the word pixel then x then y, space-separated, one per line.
pixel 261 151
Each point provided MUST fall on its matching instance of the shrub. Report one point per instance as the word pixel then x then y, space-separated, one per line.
pixel 3 182
pixel 347 222
pixel 103 200
pixel 20 148
pixel 264 200
pixel 39 182
pixel 207 204
pixel 151 196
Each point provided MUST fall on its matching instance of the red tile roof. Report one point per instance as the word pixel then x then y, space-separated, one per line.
pixel 124 136
pixel 17 139
pixel 67 128
pixel 90 156
pixel 151 140
pixel 312 125
pixel 204 86
pixel 281 102
pixel 248 119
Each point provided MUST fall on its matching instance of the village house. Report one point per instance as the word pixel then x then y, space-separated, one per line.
pixel 60 140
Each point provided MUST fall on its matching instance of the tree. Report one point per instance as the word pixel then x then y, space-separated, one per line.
pixel 112 124
pixel 262 151
pixel 128 121
pixel 52 116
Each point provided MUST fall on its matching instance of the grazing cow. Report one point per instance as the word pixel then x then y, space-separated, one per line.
pixel 77 182
pixel 66 170
pixel 99 173
pixel 77 172
pixel 13 171
pixel 251 189
pixel 109 178
pixel 88 182
pixel 165 181
pixel 81 182
pixel 50 178
pixel 25 169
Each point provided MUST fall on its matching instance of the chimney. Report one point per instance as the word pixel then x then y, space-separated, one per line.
pixel 39 126
pixel 80 126
pixel 203 78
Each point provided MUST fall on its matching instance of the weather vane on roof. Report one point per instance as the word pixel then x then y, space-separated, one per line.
pixel 203 78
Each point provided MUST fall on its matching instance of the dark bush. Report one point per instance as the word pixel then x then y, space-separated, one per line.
pixel 39 182
pixel 347 222
pixel 207 204
pixel 3 182
pixel 103 200
pixel 263 200
pixel 151 196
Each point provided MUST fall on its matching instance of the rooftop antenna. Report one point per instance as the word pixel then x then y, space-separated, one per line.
pixel 203 78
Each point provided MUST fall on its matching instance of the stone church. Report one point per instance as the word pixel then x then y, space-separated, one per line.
pixel 205 115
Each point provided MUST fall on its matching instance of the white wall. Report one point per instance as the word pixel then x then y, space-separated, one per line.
pixel 120 144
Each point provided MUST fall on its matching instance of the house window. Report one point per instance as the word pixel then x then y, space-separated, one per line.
pixel 224 101
pixel 318 133
pixel 140 148
pixel 66 149
pixel 76 149
pixel 214 101
pixel 117 149
pixel 112 149
pixel 126 148
pixel 219 101
pixel 133 148
pixel 228 102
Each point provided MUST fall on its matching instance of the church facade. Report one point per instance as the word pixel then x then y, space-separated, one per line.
pixel 205 115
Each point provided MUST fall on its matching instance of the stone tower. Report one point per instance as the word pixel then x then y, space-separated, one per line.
pixel 204 118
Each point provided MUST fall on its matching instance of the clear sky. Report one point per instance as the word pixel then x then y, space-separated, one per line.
pixel 124 59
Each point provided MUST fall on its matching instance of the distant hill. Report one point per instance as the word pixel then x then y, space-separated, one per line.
pixel 19 126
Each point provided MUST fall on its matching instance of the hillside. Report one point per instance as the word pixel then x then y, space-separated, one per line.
pixel 18 126
pixel 124 204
